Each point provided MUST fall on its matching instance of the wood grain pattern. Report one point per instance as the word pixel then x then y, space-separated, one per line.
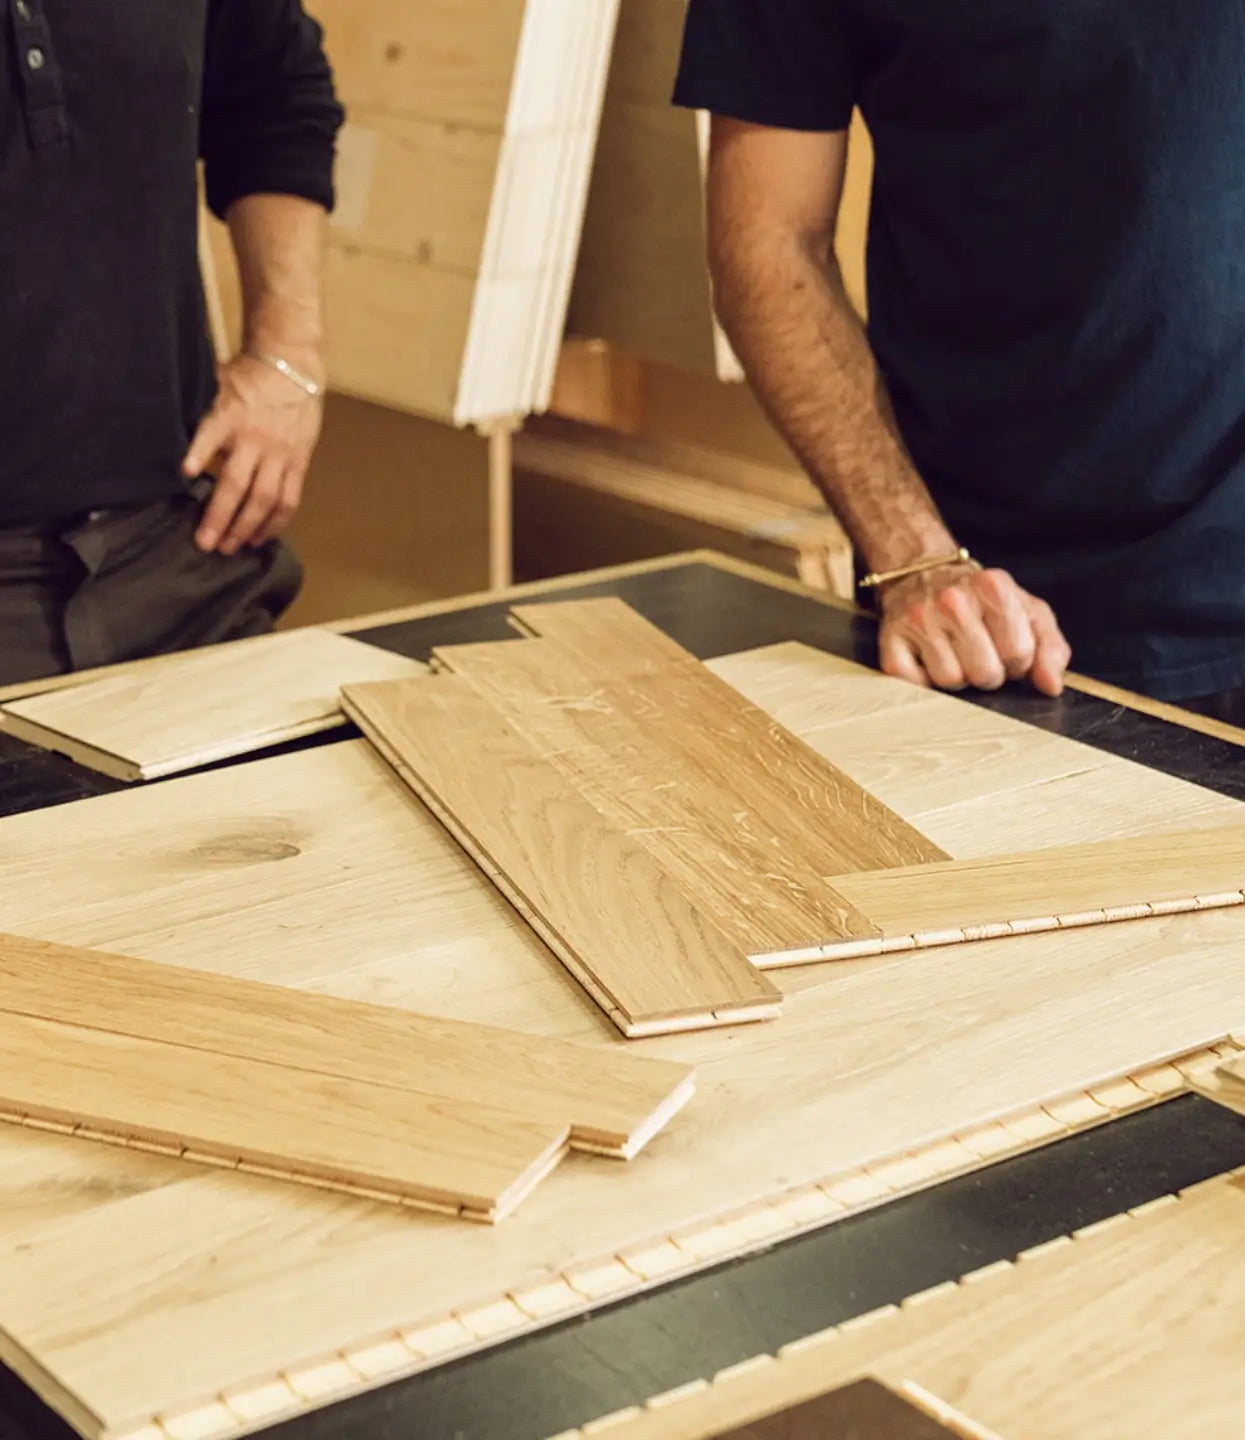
pixel 612 1102
pixel 608 910
pixel 425 1150
pixel 141 1294
pixel 668 687
pixel 206 705
pixel 1134 1333
pixel 738 843
pixel 1043 890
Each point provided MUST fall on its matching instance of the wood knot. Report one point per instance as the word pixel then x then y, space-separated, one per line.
pixel 244 850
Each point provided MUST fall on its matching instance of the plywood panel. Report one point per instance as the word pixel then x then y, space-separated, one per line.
pixel 651 958
pixel 207 705
pixel 428 1150
pixel 415 188
pixel 318 870
pixel 611 1102
pixel 450 60
pixel 1140 1323
pixel 397 332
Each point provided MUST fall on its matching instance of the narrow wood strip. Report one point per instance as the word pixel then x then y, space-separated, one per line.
pixel 393 1144
pixel 1113 880
pixel 739 846
pixel 628 924
pixel 613 1100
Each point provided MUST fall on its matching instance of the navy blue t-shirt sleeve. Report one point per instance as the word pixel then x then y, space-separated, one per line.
pixel 783 63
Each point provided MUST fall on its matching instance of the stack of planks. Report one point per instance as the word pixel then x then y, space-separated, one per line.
pixel 670 843
pixel 642 282
pixel 435 1114
pixel 462 176
pixel 586 497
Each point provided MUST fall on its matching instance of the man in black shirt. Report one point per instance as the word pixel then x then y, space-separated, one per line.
pixel 1053 375
pixel 141 494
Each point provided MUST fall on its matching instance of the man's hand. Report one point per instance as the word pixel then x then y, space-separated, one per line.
pixel 258 440
pixel 953 628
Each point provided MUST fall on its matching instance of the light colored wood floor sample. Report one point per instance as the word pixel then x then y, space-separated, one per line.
pixel 1134 1333
pixel 202 706
pixel 426 1150
pixel 609 1102
pixel 650 958
pixel 1040 891
pixel 145 1294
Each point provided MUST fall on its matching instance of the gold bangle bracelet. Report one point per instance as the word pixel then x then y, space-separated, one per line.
pixel 884 577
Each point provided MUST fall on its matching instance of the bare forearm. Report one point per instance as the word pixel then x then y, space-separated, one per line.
pixel 279 242
pixel 806 353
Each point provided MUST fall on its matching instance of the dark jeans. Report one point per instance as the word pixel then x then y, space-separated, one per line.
pixel 123 584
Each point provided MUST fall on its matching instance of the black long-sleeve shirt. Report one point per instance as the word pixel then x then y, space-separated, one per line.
pixel 105 108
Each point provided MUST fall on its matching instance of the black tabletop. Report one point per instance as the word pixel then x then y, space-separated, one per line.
pixel 563 1377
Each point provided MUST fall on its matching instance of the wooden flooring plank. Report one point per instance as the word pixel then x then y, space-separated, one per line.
pixel 307 1127
pixel 1142 1323
pixel 1045 890
pixel 740 846
pixel 206 705
pixel 614 1102
pixel 668 687
pixel 655 955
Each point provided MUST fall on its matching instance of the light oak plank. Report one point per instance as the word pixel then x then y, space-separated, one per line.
pixel 304 1126
pixel 1044 890
pixel 655 957
pixel 740 849
pixel 1143 1323
pixel 203 706
pixel 710 718
pixel 613 1102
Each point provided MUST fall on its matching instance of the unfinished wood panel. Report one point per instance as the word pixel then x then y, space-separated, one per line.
pixel 395 512
pixel 450 59
pixel 653 960
pixel 639 498
pixel 415 188
pixel 1142 1323
pixel 165 1297
pixel 612 1102
pixel 643 280
pixel 294 1124
pixel 397 332
pixel 206 705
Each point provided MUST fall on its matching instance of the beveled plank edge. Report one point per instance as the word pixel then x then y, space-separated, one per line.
pixel 375 1361
pixel 994 930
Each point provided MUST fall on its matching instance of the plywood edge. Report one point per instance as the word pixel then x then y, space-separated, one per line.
pixel 430 1341
pixel 48 1388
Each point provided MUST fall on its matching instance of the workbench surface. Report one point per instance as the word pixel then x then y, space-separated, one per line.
pixel 564 1377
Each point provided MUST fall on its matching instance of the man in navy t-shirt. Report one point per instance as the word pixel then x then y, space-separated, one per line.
pixel 1053 375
